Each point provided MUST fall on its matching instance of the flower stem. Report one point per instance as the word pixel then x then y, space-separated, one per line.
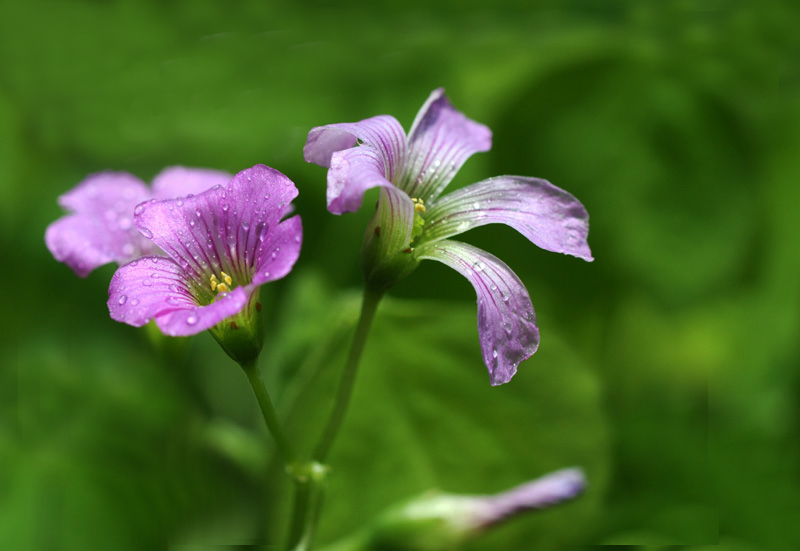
pixel 309 480
pixel 268 411
pixel 345 390
pixel 310 477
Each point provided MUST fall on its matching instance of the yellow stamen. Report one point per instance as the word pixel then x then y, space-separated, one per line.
pixel 222 288
pixel 419 205
pixel 214 282
pixel 227 278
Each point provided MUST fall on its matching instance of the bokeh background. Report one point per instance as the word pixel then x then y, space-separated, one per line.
pixel 668 367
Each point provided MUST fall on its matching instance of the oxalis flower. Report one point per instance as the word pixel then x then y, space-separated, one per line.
pixel 221 246
pixel 100 227
pixel 414 222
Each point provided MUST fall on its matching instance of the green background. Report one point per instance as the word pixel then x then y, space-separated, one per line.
pixel 668 367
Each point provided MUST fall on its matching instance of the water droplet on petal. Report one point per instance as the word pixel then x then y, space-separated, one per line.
pixel 192 319
pixel 479 266
pixel 245 224
pixel 198 213
pixel 266 274
pixel 122 300
pixel 147 282
pixel 180 202
pixel 147 233
pixel 174 288
pixel 155 260
pixel 172 300
pixel 135 302
pixel 225 207
pixel 138 210
pixel 494 352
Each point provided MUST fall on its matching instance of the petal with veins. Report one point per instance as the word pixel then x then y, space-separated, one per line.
pixel 440 141
pixel 506 321
pixel 547 215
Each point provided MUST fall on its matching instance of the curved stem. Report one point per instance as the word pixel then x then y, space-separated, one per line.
pixel 345 390
pixel 268 411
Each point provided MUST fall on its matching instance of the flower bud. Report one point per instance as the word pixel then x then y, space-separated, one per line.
pixel 437 521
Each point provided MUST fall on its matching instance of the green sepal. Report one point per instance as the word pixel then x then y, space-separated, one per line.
pixel 387 255
pixel 242 336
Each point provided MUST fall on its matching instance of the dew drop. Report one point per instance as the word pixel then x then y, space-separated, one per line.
pixel 266 274
pixel 174 288
pixel 225 207
pixel 231 239
pixel 179 202
pixel 122 300
pixel 197 213
pixel 135 302
pixel 155 260
pixel 493 287
pixel 133 263
pixel 172 300
pixel 147 282
pixel 147 233
pixel 245 224
pixel 476 205
pixel 479 266
pixel 494 352
pixel 191 223
pixel 192 319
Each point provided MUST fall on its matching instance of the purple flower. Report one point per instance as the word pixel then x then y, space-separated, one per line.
pixel 100 227
pixel 414 222
pixel 221 246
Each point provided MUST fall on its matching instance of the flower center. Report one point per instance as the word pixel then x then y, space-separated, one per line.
pixel 419 221
pixel 221 286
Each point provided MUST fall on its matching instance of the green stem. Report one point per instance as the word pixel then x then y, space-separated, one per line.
pixel 309 491
pixel 268 411
pixel 310 477
pixel 345 390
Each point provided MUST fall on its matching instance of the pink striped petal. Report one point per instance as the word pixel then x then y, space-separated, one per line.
pixel 506 321
pixel 547 215
pixel 440 141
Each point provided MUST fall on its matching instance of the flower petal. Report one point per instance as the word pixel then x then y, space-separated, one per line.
pixel 279 251
pixel 352 173
pixel 547 215
pixel 178 181
pixel 156 287
pixel 440 141
pixel 221 229
pixel 382 133
pixel 186 322
pixel 101 229
pixel 506 320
